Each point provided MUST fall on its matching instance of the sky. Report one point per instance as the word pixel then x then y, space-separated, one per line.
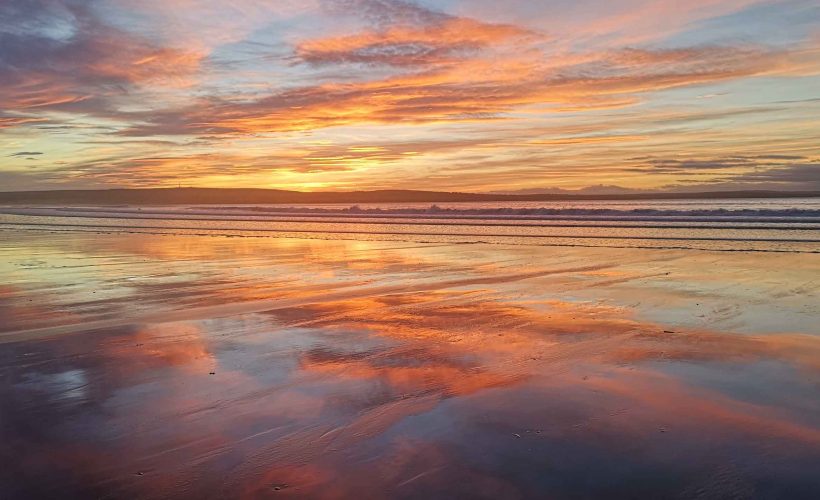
pixel 455 95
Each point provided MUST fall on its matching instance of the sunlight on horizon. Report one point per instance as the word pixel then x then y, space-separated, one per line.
pixel 456 95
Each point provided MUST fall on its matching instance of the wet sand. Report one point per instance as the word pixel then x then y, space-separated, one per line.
pixel 192 366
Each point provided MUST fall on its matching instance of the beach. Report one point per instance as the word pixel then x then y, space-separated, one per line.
pixel 410 249
pixel 149 363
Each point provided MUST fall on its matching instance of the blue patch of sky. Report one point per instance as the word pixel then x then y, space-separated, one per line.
pixel 55 23
pixel 775 24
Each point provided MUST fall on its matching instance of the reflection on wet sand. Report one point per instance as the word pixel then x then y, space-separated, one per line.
pixel 206 367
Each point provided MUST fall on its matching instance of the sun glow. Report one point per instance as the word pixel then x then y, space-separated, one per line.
pixel 436 95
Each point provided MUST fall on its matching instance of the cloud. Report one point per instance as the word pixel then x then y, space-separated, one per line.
pixel 695 165
pixel 449 41
pixel 136 170
pixel 201 25
pixel 408 35
pixel 762 172
pixel 805 176
pixel 763 165
pixel 385 12
pixel 26 153
pixel 7 121
pixel 474 88
pixel 478 96
pixel 61 55
pixel 451 69
pixel 740 169
pixel 33 180
pixel 620 22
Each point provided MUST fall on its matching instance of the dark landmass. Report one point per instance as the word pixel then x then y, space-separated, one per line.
pixel 232 196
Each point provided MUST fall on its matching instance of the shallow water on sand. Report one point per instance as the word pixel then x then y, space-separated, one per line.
pixel 203 366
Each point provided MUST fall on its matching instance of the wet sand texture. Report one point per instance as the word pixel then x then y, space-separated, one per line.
pixel 183 366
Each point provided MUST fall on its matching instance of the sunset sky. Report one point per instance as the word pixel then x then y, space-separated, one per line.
pixel 468 95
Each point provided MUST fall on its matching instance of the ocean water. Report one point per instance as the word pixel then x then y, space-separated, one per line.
pixel 768 225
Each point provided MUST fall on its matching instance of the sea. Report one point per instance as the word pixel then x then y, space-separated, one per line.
pixel 760 225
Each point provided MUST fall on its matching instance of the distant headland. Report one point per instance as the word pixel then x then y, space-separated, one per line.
pixel 236 196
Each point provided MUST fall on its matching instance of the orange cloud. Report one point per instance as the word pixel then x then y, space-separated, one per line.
pixel 447 40
pixel 87 71
pixel 486 73
pixel 472 87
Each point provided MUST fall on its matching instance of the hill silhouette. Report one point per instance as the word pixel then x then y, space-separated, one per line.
pixel 236 196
